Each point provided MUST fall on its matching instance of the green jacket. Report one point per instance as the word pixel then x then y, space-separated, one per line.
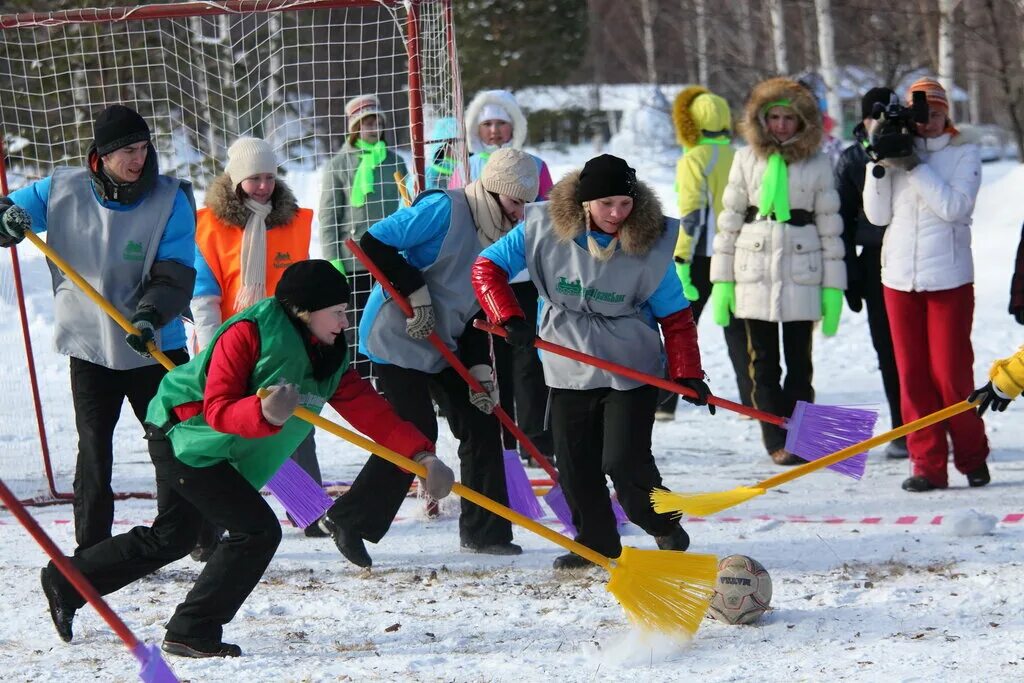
pixel 282 357
pixel 340 221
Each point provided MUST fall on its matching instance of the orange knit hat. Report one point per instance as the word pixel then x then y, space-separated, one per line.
pixel 936 96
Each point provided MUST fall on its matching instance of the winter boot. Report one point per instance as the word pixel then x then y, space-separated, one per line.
pixel 491 548
pixel 677 540
pixel 209 537
pixel 781 456
pixel 315 531
pixel 919 484
pixel 198 647
pixel 979 477
pixel 897 449
pixel 571 561
pixel 349 543
pixel 60 611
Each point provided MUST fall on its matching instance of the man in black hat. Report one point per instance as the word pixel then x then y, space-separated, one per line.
pixel 130 232
pixel 864 270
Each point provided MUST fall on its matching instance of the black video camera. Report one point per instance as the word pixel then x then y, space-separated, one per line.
pixel 893 137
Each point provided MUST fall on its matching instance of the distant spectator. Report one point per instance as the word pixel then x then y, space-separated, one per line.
pixel 1017 285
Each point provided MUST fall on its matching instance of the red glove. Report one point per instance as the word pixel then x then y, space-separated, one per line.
pixel 490 283
pixel 680 333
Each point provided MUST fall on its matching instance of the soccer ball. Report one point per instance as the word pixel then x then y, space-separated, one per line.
pixel 743 591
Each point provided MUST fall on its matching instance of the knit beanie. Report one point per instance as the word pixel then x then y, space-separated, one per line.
pixel 118 126
pixel 872 97
pixel 359 108
pixel 606 176
pixel 933 91
pixel 248 157
pixel 312 285
pixel 513 173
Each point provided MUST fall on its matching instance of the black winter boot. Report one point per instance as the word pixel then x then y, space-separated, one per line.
pixel 491 548
pixel 677 540
pixel 571 561
pixel 349 543
pixel 980 476
pixel 198 647
pixel 919 484
pixel 60 611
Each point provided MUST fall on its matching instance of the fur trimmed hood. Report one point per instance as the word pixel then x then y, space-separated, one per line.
pixel 227 207
pixel 500 98
pixel 696 110
pixel 807 141
pixel 638 233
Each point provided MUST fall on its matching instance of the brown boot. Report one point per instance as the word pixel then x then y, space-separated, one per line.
pixel 784 457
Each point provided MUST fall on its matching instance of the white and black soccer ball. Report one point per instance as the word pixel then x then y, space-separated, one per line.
pixel 743 591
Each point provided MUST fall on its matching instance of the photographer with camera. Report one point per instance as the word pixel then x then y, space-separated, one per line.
pixel 926 197
pixel 864 270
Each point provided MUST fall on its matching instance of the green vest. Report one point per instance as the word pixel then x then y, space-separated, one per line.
pixel 282 357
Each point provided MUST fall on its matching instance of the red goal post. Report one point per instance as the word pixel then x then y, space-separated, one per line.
pixel 201 74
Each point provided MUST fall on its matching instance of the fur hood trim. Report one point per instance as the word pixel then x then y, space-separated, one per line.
pixel 503 99
pixel 687 130
pixel 638 233
pixel 805 143
pixel 226 206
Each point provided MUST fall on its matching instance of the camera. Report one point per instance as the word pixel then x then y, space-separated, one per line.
pixel 894 135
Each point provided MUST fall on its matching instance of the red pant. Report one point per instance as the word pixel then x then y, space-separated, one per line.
pixel 931 335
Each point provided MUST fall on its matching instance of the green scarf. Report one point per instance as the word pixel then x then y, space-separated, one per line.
pixel 721 140
pixel 369 160
pixel 775 189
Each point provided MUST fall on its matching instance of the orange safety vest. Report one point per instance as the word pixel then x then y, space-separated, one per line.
pixel 221 245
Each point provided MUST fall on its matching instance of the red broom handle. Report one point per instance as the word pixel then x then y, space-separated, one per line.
pixel 659 382
pixel 452 359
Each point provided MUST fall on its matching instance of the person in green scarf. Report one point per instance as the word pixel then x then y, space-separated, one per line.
pixel 358 189
pixel 778 255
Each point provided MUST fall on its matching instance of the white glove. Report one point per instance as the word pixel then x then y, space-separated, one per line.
pixel 280 403
pixel 484 401
pixel 421 324
pixel 440 477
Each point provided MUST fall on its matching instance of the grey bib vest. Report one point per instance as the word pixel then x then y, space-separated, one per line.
pixel 113 251
pixel 595 307
pixel 450 289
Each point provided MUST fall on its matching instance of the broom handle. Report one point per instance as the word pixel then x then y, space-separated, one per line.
pixel 453 360
pixel 867 445
pixel 98 298
pixel 659 382
pixel 457 488
pixel 402 189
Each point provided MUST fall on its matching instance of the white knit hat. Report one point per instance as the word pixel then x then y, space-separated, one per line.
pixel 359 108
pixel 249 157
pixel 513 173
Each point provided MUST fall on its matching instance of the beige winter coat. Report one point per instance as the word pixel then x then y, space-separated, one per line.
pixel 780 269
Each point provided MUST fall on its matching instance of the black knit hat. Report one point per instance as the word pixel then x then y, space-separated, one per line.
pixel 873 97
pixel 118 126
pixel 312 285
pixel 606 176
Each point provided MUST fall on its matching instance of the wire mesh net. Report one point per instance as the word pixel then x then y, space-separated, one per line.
pixel 203 75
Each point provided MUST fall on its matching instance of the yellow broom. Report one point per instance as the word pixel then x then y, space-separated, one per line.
pixel 661 590
pixel 710 503
pixel 402 189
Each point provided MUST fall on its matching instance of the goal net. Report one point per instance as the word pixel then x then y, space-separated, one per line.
pixel 202 74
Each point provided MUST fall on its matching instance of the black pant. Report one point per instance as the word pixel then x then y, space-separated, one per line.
pixel 735 338
pixel 185 496
pixel 98 394
pixel 361 283
pixel 607 433
pixel 524 396
pixel 878 322
pixel 771 394
pixel 369 507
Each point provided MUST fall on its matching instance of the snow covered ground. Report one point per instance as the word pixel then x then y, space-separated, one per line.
pixel 870 583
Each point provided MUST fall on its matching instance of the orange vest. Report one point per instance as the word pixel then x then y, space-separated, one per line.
pixel 221 245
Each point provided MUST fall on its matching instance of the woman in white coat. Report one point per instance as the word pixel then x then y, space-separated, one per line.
pixel 778 254
pixel 927 200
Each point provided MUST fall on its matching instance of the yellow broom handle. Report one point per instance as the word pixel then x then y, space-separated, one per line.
pixel 402 189
pixel 874 441
pixel 462 491
pixel 90 292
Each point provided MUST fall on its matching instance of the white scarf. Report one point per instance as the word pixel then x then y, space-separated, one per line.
pixel 254 255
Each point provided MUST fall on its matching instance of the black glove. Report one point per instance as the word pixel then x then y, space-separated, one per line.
pixel 14 223
pixel 853 298
pixel 1018 315
pixel 990 397
pixel 145 323
pixel 700 387
pixel 521 334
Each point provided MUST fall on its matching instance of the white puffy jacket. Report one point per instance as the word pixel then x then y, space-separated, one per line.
pixel 927 246
pixel 780 269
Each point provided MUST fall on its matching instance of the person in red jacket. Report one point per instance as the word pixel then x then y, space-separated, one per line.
pixel 214 443
pixel 600 253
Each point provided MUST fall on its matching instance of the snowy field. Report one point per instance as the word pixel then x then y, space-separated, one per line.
pixel 870 583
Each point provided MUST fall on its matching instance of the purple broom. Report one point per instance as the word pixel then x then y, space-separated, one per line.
pixel 301 496
pixel 555 499
pixel 814 431
pixel 154 668
pixel 521 497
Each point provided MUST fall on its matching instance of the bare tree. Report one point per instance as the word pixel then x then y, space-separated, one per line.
pixel 778 35
pixel 649 9
pixel 827 52
pixel 947 55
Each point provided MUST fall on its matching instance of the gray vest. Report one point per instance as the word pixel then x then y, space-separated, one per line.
pixel 451 292
pixel 594 307
pixel 113 251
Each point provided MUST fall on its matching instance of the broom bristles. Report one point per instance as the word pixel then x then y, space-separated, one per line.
pixel 299 494
pixel 701 504
pixel 555 498
pixel 521 497
pixel 814 431
pixel 664 591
